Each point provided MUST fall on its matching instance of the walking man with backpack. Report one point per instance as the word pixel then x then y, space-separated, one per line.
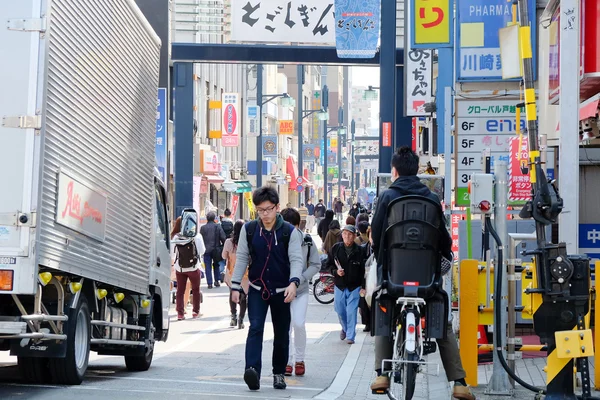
pixel 311 265
pixel 271 249
pixel 405 165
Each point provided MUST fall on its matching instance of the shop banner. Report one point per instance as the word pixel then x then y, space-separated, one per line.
pixel 309 152
pixel 286 127
pixel 519 185
pixel 231 105
pixel 269 143
pixel 357 28
pixel 161 134
pixel 419 77
pixel 431 23
pixel 235 199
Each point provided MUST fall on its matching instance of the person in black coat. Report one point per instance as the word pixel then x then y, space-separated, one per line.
pixel 323 227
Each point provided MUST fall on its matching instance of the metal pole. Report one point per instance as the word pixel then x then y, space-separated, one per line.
pixel 325 144
pixel 183 135
pixel 259 144
pixel 448 151
pixel 499 383
pixel 512 302
pixel 568 171
pixel 352 174
pixel 387 83
pixel 300 105
pixel 339 150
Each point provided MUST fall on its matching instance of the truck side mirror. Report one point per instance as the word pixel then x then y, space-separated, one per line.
pixel 189 223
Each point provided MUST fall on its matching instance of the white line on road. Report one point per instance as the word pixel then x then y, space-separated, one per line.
pixel 171 391
pixel 191 340
pixel 337 388
pixel 199 381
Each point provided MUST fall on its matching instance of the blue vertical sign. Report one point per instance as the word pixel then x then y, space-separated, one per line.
pixel 589 240
pixel 357 25
pixel 478 47
pixel 161 133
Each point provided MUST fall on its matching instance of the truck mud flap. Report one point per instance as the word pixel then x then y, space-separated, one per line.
pixel 45 348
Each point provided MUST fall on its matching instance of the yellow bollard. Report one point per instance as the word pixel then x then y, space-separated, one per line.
pixel 468 312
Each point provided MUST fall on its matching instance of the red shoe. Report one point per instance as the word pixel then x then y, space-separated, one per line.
pixel 300 368
pixel 180 318
pixel 288 370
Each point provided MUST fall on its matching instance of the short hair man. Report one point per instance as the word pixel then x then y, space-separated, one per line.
pixel 274 272
pixel 405 165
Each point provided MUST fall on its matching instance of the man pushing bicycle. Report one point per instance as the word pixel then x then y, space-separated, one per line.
pixel 404 168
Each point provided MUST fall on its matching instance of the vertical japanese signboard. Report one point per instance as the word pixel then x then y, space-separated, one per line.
pixel 275 21
pixel 309 152
pixel 357 28
pixel 161 134
pixel 235 200
pixel 230 107
pixel 481 125
pixel 418 76
pixel 519 185
pixel 252 120
pixel 454 233
pixel 386 131
pixel 431 23
pixel 478 50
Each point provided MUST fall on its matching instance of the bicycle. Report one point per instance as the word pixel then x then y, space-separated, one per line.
pixel 324 288
pixel 409 349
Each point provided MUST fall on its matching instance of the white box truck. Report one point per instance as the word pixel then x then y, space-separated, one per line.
pixel 84 237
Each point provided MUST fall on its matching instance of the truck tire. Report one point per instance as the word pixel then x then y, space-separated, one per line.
pixel 142 363
pixel 34 369
pixel 71 369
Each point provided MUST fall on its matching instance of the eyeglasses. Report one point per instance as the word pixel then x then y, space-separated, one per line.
pixel 268 210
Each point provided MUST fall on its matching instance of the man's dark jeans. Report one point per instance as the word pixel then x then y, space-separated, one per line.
pixel 257 314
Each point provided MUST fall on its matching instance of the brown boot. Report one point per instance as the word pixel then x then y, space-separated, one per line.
pixel 380 385
pixel 462 392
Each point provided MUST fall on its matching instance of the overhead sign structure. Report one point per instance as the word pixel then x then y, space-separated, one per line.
pixel 286 127
pixel 252 120
pixel 418 73
pixel 269 143
pixel 431 23
pixel 519 185
pixel 481 125
pixel 357 28
pixel 231 104
pixel 478 47
pixel 276 21
pixel 161 134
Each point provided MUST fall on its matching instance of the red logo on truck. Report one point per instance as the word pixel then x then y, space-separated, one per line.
pixel 73 207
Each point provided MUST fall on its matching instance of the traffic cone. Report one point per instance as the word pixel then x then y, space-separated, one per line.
pixel 482 355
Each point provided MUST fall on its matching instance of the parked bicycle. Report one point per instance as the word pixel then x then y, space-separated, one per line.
pixel 323 288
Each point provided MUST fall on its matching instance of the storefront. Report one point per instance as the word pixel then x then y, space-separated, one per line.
pixel 210 183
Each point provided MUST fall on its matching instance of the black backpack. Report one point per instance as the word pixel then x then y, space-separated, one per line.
pixel 187 254
pixel 227 228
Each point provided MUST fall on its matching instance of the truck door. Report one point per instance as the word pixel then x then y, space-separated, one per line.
pixel 161 268
pixel 19 163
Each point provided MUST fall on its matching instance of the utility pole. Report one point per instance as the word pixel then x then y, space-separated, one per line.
pixel 259 144
pixel 339 150
pixel 352 175
pixel 387 76
pixel 300 111
pixel 325 105
pixel 568 169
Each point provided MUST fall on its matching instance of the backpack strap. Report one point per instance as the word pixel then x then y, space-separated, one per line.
pixel 250 230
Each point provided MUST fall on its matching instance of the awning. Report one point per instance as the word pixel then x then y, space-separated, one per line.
pixel 588 110
pixel 214 179
pixel 291 166
pixel 243 186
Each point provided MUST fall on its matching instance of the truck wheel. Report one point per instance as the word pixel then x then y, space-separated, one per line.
pixel 71 369
pixel 34 369
pixel 142 363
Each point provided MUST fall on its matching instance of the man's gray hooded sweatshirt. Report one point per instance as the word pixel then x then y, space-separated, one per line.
pixel 270 268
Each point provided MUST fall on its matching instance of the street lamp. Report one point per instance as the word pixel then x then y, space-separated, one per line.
pixel 371 94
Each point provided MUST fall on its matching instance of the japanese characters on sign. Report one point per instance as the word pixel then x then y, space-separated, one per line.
pixel 519 185
pixel 386 131
pixel 431 23
pixel 306 21
pixel 357 28
pixel 478 50
pixel 161 133
pixel 418 81
pixel 252 120
pixel 286 127
pixel 454 226
pixel 481 125
pixel 229 127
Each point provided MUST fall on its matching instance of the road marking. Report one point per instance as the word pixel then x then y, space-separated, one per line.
pixel 340 383
pixel 171 390
pixel 191 340
pixel 199 381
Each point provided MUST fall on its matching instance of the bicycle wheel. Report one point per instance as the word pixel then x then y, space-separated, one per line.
pixel 323 291
pixel 409 376
pixel 395 392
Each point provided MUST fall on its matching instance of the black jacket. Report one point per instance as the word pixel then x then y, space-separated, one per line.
pixel 353 265
pixel 320 210
pixel 405 186
pixel 323 228
pixel 213 236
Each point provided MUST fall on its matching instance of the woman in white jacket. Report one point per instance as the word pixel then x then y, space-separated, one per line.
pixel 299 307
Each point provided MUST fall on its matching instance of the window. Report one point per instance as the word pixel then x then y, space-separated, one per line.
pixel 162 226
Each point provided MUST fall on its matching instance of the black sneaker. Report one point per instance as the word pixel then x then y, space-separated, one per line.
pixel 252 379
pixel 279 381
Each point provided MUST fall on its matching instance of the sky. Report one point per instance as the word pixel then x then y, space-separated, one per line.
pixel 368 76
